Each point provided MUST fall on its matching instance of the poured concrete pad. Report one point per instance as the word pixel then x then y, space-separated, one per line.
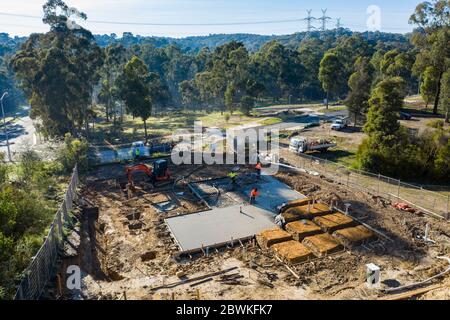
pixel 218 227
pixel 302 229
pixel 355 236
pixel 292 252
pixel 336 221
pixel 268 238
pixel 322 244
pixel 272 193
pixel 308 211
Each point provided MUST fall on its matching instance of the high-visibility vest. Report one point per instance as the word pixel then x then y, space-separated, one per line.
pixel 258 166
pixel 254 193
pixel 232 174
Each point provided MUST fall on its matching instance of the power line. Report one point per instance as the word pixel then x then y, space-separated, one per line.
pixel 309 20
pixel 324 19
pixel 167 24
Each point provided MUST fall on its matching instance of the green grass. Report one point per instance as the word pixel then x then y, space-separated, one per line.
pixel 270 121
pixel 333 109
pixel 165 125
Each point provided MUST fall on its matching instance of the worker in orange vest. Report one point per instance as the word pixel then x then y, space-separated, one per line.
pixel 253 194
pixel 258 169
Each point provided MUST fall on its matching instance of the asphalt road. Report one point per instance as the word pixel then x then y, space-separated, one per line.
pixel 21 134
pixel 305 119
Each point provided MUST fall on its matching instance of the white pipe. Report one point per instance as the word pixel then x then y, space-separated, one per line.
pixel 424 281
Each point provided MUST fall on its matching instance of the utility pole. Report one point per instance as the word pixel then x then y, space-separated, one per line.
pixel 324 19
pixel 4 126
pixel 309 20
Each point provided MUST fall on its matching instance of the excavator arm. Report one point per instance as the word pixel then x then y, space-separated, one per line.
pixel 137 168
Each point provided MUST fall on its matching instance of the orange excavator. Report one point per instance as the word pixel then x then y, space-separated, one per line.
pixel 159 172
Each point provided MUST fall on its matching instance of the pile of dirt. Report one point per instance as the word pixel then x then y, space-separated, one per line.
pixel 352 237
pixel 302 229
pixel 268 238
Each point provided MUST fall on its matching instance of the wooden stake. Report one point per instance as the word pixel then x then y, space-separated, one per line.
pixel 59 284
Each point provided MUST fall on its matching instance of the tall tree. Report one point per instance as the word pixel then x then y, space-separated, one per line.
pixel 115 57
pixel 429 85
pixel 134 89
pixel 330 74
pixel 434 19
pixel 445 95
pixel 360 82
pixel 58 71
pixel 381 150
pixel 385 103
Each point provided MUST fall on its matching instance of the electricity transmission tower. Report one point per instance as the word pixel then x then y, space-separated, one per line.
pixel 324 19
pixel 338 23
pixel 309 20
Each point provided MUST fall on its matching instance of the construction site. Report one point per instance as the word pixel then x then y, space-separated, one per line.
pixel 192 232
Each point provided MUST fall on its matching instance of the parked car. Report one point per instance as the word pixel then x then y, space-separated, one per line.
pixel 339 124
pixel 405 116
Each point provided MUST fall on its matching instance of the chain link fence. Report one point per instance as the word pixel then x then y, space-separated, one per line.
pixel 431 202
pixel 42 267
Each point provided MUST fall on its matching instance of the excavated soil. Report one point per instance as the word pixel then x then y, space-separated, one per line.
pixel 135 253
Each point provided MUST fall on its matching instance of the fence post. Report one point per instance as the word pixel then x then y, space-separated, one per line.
pixel 448 213
pixel 379 177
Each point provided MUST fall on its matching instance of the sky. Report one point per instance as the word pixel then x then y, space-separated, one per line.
pixel 182 18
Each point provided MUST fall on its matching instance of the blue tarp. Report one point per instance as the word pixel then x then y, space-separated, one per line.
pixel 123 154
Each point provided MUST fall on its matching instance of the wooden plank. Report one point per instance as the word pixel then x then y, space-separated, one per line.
pixel 172 285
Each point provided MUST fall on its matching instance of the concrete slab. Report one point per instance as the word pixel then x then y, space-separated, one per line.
pixel 218 227
pixel 272 193
pixel 219 193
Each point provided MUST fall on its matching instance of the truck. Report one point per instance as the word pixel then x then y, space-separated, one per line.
pixel 303 144
pixel 340 123
pixel 139 145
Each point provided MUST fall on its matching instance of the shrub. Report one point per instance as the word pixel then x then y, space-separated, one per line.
pixel 73 152
pixel 437 124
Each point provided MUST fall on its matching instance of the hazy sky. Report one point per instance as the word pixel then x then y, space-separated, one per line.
pixel 353 14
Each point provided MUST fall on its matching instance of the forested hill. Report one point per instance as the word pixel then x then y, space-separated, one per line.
pixel 317 41
pixel 252 42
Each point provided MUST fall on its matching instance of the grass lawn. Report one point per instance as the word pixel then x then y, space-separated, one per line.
pixel 332 109
pixel 165 125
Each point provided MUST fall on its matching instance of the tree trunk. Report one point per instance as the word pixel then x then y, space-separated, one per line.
pixel 145 130
pixel 447 116
pixel 438 93
pixel 356 119
pixel 328 95
pixel 107 111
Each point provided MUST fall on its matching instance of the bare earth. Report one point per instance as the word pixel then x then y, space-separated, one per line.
pixel 111 254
